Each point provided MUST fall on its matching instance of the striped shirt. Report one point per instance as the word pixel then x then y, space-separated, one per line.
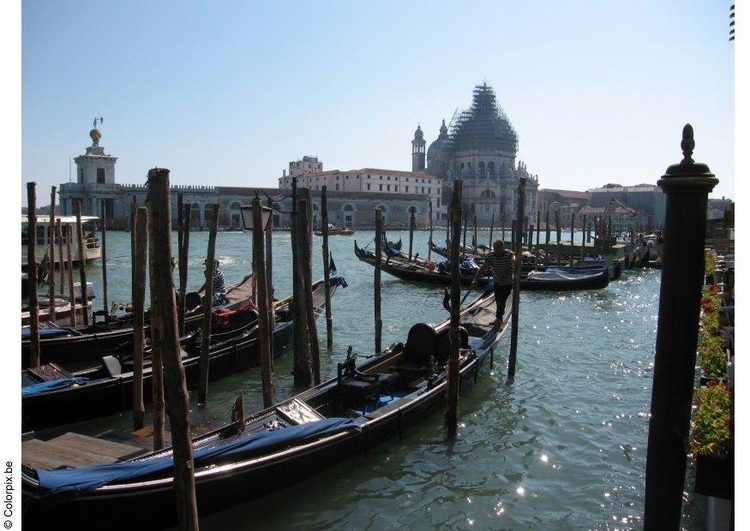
pixel 502 267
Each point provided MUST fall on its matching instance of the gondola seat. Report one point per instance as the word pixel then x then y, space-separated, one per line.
pixel 419 354
pixel 444 343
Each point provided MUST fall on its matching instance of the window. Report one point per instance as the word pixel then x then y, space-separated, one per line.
pixel 395 188
pixel 407 190
pixel 100 175
pixel 337 187
pixel 389 188
pixel 380 187
pixel 368 186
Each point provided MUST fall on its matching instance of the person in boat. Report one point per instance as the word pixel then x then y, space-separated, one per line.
pixel 219 287
pixel 501 262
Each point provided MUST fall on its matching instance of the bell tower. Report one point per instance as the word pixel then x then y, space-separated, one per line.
pixel 418 150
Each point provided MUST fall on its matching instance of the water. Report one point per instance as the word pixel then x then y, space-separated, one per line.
pixel 564 447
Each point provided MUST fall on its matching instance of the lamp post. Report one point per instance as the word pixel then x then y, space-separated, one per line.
pixel 255 217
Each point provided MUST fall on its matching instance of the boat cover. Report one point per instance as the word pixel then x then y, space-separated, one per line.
pixel 52 385
pixel 72 481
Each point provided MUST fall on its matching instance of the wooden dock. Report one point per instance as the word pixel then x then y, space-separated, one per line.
pixel 73 450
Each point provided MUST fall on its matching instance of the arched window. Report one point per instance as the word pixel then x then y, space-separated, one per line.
pixel 207 214
pixel 491 168
pixel 487 194
pixel 480 168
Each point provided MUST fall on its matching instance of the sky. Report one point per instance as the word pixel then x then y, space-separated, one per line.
pixel 229 93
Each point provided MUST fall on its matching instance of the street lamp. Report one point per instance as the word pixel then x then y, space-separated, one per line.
pixel 247 216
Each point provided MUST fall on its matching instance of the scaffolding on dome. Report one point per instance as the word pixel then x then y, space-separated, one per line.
pixel 484 126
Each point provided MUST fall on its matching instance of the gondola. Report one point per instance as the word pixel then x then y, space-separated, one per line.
pixel 81 348
pixel 347 415
pixel 418 270
pixel 549 279
pixel 566 279
pixel 53 396
pixel 84 346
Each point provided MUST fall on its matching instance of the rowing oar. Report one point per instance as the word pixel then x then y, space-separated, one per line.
pixel 471 288
pixel 447 299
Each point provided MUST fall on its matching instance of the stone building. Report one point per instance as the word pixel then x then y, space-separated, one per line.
pixel 382 186
pixel 479 147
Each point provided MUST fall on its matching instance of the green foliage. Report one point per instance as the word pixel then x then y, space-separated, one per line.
pixel 711 429
pixel 710 262
pixel 711 356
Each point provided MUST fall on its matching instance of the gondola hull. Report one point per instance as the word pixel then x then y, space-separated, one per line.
pixel 344 416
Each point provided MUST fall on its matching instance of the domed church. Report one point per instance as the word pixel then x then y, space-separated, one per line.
pixel 479 147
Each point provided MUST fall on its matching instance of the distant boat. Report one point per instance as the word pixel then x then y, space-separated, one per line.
pixel 92 250
pixel 335 230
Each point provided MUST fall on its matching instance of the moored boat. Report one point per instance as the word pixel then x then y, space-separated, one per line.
pixel 278 446
pixel 91 249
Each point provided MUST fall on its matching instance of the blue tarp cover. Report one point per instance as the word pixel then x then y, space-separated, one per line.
pixel 76 480
pixel 52 385
pixel 49 332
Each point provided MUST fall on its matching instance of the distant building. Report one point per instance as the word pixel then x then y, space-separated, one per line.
pixel 309 174
pixel 648 199
pixel 479 147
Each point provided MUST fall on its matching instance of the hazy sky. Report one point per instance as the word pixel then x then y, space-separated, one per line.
pixel 228 93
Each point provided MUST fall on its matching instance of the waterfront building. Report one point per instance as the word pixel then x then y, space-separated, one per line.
pixel 647 199
pixel 480 147
pixel 398 186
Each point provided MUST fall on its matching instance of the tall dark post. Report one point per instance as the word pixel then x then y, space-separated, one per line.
pixel 139 307
pixel 132 225
pixel 81 263
pixel 411 231
pixel 583 239
pixel 376 297
pixel 208 302
pixel 305 235
pixel 303 375
pixel 516 283
pixel 547 229
pixel 180 271
pixel 265 342
pixel 538 227
pixel 557 226
pixel 69 258
pixel 52 235
pixel 104 255
pixel 165 339
pixel 572 235
pixel 475 243
pixel 454 378
pixel 687 185
pixel 326 266
pixel 35 351
pixel 492 227
pixel 429 249
pixel 61 240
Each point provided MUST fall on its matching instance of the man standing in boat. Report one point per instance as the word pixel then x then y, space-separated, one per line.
pixel 501 262
pixel 219 288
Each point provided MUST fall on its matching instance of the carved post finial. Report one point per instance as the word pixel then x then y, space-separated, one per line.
pixel 687 144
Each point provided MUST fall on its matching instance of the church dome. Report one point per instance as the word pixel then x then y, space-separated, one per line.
pixel 484 126
pixel 418 134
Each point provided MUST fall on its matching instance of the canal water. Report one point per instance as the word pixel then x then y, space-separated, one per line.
pixel 564 447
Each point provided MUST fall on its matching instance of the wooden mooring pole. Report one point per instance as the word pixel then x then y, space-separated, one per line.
pixel 140 238
pixel 412 222
pixel 81 262
pixel 687 185
pixel 165 340
pixel 69 258
pixel 104 257
pixel 208 302
pixel 516 283
pixel 376 297
pixel 305 235
pixel 454 378
pixel 326 266
pixel 265 342
pixel 31 273
pixel 52 237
